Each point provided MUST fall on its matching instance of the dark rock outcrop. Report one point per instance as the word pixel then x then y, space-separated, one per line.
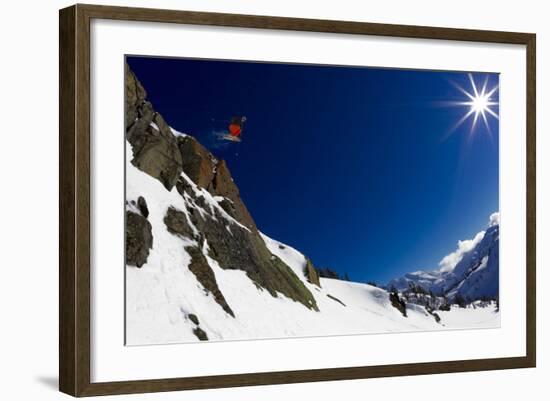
pixel 194 318
pixel 223 185
pixel 135 96
pixel 197 331
pixel 434 314
pixel 142 206
pixel 398 303
pixel 198 163
pixel 139 239
pixel 336 299
pixel 228 207
pixel 200 334
pixel 201 269
pixel 311 273
pixel 213 175
pixel 154 147
pixel 242 249
pixel 176 222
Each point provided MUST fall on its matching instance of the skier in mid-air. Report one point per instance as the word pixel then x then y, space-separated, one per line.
pixel 235 129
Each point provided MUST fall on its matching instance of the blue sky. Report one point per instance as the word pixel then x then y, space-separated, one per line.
pixel 358 168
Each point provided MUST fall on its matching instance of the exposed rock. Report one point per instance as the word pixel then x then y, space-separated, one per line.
pixel 198 163
pixel 243 249
pixel 194 215
pixel 200 334
pixel 193 318
pixel 398 303
pixel 176 222
pixel 154 147
pixel 135 95
pixel 209 173
pixel 311 273
pixel 223 185
pixel 336 299
pixel 228 207
pixel 434 314
pixel 200 201
pixel 141 127
pixel 139 239
pixel 163 128
pixel 142 206
pixel 200 268
pixel 157 156
pixel 183 187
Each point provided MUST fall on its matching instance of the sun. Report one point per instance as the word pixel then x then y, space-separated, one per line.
pixel 479 102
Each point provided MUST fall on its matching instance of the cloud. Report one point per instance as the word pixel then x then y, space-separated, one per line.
pixel 449 262
pixel 494 219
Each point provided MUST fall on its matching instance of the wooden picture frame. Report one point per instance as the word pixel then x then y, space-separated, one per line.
pixel 74 203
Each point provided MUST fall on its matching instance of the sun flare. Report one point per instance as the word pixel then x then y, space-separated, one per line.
pixel 479 103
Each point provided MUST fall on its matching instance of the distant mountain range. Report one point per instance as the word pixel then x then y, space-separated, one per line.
pixel 470 274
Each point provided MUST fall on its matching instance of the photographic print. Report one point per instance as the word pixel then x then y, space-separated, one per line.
pixel 279 200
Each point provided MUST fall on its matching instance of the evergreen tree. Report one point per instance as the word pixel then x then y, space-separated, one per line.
pixel 460 301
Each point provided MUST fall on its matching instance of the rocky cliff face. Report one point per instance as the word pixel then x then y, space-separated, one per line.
pixel 213 175
pixel 153 144
pixel 215 222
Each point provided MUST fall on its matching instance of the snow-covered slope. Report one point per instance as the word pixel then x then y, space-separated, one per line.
pixel 472 271
pixel 162 295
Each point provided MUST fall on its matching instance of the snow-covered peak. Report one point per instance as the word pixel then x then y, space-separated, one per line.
pixel 470 271
pixel 449 262
pixel 494 219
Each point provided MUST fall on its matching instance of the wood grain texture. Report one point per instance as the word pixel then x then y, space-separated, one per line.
pixel 301 376
pixel 531 202
pixel 67 131
pixel 74 199
pixel 82 199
